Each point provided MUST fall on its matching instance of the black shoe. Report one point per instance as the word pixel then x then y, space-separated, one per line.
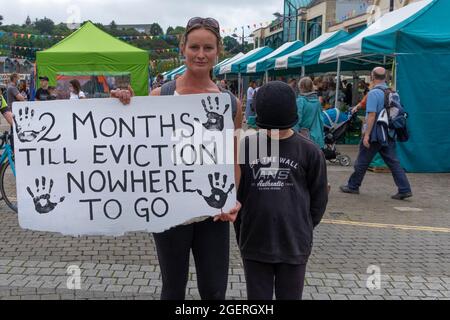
pixel 402 196
pixel 346 189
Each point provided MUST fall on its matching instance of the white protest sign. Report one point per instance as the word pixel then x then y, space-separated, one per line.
pixel 96 166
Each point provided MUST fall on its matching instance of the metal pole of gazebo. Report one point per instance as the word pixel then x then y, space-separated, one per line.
pixel 267 76
pixel 239 85
pixel 338 82
pixel 395 72
pixel 303 71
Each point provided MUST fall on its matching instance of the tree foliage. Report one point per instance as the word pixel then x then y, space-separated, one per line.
pixel 156 30
pixel 44 26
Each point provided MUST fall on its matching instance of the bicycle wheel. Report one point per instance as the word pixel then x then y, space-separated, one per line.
pixel 8 186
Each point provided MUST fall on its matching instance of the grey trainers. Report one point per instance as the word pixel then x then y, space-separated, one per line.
pixel 346 189
pixel 401 196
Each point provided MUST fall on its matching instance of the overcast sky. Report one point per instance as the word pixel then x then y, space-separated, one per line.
pixel 230 13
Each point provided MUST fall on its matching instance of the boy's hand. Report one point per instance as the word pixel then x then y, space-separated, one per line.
pixel 230 215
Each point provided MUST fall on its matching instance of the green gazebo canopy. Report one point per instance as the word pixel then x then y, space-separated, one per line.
pixel 89 51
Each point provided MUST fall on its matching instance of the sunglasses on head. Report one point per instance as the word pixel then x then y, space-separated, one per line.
pixel 207 22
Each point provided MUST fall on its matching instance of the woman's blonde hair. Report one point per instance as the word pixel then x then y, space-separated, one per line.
pixel 306 85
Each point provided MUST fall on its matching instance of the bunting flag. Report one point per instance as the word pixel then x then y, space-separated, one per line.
pixel 254 25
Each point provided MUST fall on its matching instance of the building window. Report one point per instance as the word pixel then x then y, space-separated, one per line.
pixel 356 29
pixel 314 28
pixel 348 9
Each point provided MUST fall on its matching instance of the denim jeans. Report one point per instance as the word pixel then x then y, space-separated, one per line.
pixel 248 109
pixel 389 156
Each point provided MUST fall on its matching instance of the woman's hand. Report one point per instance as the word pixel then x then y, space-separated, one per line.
pixel 123 95
pixel 230 215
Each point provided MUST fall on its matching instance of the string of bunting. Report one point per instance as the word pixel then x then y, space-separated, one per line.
pixel 248 27
pixel 225 31
pixel 145 37
pixel 15 56
pixel 5 46
pixel 17 35
pixel 30 36
pixel 34 49
pixel 163 50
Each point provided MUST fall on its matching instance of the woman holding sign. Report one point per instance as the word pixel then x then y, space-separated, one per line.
pixel 209 237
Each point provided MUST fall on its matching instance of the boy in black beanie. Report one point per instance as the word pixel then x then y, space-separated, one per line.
pixel 283 195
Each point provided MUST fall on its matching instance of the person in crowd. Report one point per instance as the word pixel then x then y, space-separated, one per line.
pixel 369 145
pixel 207 237
pixel 12 95
pixel 364 87
pixel 75 90
pixel 294 85
pixel 4 108
pixel 52 93
pixel 24 91
pixel 365 90
pixel 348 92
pixel 233 88
pixel 318 88
pixel 223 84
pixel 330 96
pixel 42 93
pixel 3 91
pixel 159 81
pixel 275 226
pixel 249 109
pixel 309 111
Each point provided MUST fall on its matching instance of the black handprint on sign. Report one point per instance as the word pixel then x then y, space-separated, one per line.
pixel 42 202
pixel 215 121
pixel 23 123
pixel 218 196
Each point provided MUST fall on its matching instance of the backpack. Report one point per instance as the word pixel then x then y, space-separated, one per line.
pixel 396 114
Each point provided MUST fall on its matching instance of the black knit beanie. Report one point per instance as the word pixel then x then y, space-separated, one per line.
pixel 276 106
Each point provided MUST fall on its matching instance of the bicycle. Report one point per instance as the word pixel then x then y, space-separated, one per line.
pixel 8 172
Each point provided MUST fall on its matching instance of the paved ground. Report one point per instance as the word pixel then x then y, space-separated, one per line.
pixel 409 241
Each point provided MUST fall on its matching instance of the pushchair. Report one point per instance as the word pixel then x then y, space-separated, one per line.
pixel 336 124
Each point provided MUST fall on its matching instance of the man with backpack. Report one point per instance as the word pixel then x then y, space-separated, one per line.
pixel 379 137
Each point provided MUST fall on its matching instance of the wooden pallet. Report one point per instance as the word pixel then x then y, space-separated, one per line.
pixel 379 170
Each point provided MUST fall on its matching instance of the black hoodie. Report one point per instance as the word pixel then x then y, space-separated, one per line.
pixel 281 204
